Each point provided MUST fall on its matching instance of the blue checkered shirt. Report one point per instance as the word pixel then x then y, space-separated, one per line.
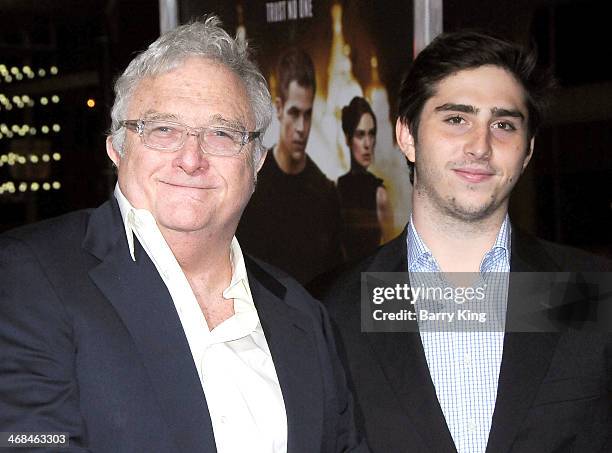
pixel 464 365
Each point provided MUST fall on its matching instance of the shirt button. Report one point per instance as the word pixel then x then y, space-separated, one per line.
pixel 467 358
pixel 223 419
pixel 472 426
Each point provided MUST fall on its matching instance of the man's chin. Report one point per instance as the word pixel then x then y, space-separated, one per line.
pixel 183 226
pixel 298 154
pixel 471 213
pixel 185 216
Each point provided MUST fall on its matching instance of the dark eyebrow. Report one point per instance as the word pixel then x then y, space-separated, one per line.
pixel 457 108
pixel 295 108
pixel 499 112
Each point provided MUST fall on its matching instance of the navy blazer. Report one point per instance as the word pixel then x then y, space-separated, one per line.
pixel 555 388
pixel 91 344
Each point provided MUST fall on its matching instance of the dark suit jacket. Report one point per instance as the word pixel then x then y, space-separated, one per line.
pixel 91 344
pixel 554 392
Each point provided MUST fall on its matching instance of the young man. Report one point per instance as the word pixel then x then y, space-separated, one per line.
pixel 468 112
pixel 140 325
pixel 293 219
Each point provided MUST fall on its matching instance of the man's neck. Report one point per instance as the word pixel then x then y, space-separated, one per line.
pixel 286 162
pixel 457 245
pixel 203 256
pixel 205 260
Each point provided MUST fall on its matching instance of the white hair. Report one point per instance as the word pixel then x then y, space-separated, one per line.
pixel 200 39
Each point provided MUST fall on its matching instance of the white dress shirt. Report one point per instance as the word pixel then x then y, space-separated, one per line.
pixel 233 360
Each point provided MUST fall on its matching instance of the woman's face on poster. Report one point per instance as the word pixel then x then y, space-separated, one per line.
pixel 363 141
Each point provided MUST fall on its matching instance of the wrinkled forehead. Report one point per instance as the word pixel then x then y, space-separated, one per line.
pixel 197 91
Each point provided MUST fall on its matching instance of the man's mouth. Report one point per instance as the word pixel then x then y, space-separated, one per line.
pixel 474 175
pixel 186 185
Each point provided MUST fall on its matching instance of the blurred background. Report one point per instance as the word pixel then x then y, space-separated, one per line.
pixel 59 58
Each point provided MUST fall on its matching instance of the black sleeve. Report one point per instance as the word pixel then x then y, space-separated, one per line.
pixel 349 438
pixel 38 387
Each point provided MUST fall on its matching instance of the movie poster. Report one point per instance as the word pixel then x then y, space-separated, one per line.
pixel 359 48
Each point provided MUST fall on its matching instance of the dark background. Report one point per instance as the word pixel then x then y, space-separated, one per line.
pixel 565 195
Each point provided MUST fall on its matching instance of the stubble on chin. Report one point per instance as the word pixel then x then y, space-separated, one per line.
pixel 452 207
pixel 470 214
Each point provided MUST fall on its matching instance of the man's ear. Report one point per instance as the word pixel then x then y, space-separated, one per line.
pixel 278 105
pixel 405 140
pixel 112 153
pixel 529 153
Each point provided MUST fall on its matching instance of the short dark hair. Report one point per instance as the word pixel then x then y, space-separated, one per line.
pixel 295 65
pixel 457 51
pixel 352 113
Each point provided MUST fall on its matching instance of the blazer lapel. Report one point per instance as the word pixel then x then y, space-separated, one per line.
pixel 525 361
pixel 403 361
pixel 287 333
pixel 402 358
pixel 527 356
pixel 142 301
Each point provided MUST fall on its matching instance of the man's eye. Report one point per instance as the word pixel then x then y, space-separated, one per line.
pixel 219 133
pixel 162 129
pixel 504 125
pixel 224 135
pixel 455 120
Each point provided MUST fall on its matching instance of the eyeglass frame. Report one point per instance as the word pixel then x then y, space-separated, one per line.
pixel 138 126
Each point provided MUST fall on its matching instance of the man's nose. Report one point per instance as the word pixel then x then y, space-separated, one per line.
pixel 479 143
pixel 190 156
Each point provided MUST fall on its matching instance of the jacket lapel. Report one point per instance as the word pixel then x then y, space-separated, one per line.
pixel 402 358
pixel 141 299
pixel 287 334
pixel 527 356
pixel 403 361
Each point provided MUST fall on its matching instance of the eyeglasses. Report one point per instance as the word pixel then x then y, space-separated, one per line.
pixel 169 136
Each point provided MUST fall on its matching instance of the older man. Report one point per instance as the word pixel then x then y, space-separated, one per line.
pixel 140 325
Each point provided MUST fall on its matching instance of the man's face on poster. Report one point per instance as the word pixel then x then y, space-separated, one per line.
pixel 295 118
